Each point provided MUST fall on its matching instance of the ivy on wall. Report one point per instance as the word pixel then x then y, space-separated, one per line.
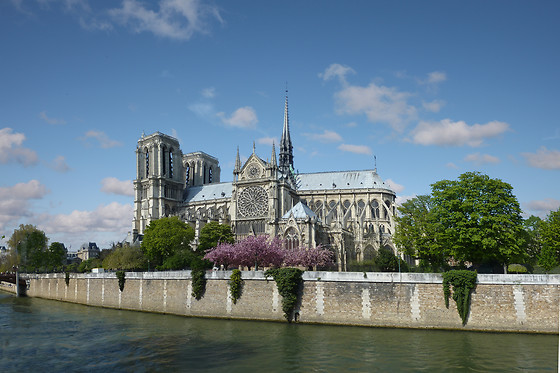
pixel 198 282
pixel 67 278
pixel 289 282
pixel 463 283
pixel 235 285
pixel 121 277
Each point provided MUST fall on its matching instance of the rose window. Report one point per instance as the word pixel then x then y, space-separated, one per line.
pixel 252 202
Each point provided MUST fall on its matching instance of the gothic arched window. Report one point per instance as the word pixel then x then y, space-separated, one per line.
pixel 332 207
pixel 163 160
pixel 319 209
pixel 346 206
pixel 187 174
pixel 375 209
pixel 171 163
pixel 291 239
pixel 361 206
pixel 210 175
pixel 147 162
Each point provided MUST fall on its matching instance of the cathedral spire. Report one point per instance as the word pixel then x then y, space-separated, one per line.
pixel 273 156
pixel 237 167
pixel 286 155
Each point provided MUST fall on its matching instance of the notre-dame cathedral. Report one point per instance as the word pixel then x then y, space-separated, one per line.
pixel 349 212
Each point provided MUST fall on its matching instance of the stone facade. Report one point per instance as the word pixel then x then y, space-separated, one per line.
pixel 514 303
pixel 349 212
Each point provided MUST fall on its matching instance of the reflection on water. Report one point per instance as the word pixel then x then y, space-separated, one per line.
pixel 43 335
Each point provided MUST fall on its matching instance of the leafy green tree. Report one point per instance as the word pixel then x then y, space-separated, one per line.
pixel 532 240
pixel 126 258
pixel 56 254
pixel 479 219
pixel 550 233
pixel 213 234
pixel 416 232
pixel 88 265
pixel 8 261
pixel 30 244
pixel 165 237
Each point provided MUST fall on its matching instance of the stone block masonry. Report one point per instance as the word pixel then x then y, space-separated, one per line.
pixel 512 303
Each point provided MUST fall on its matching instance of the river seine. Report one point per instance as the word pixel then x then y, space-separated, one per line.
pixel 39 335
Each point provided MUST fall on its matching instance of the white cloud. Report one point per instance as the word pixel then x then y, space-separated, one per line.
pixel 14 201
pixel 402 199
pixel 59 164
pixel 436 77
pixel 395 186
pixel 112 185
pixel 104 140
pixel 268 140
pixel 379 103
pixel 451 165
pixel 43 116
pixel 105 218
pixel 175 19
pixel 544 158
pixel 480 159
pixel 244 117
pixel 209 92
pixel 433 106
pixel 542 207
pixel 336 71
pixel 448 133
pixel 203 110
pixel 357 149
pixel 351 124
pixel 12 151
pixel 326 136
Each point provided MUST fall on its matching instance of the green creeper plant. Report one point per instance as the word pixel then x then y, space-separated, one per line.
pixel 198 282
pixel 289 281
pixel 67 278
pixel 235 285
pixel 121 277
pixel 463 283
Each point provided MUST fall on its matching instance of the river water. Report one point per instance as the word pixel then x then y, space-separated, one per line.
pixel 38 335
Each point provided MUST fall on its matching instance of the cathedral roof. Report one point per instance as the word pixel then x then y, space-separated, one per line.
pixel 300 211
pixel 209 192
pixel 367 179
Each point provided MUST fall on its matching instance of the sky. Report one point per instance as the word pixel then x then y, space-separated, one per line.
pixel 424 91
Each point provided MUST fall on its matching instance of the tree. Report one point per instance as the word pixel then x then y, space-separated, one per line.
pixel 165 237
pixel 56 255
pixel 125 257
pixel 31 245
pixel 312 257
pixel 416 232
pixel 255 251
pixel 532 241
pixel 478 219
pixel 214 233
pixel 224 254
pixel 550 233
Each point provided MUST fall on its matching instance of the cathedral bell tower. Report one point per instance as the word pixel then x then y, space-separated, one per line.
pixel 159 182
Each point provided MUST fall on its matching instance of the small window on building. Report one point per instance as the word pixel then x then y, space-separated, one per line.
pixel 163 160
pixel 187 174
pixel 170 163
pixel 210 175
pixel 147 162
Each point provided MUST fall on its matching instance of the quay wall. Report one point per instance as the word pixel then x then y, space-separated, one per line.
pixel 512 303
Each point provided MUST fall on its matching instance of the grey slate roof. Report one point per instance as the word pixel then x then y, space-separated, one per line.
pixel 366 179
pixel 300 211
pixel 209 192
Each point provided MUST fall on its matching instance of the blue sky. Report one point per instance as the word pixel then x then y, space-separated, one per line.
pixel 431 89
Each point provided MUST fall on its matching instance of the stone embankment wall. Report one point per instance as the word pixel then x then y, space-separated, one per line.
pixel 514 303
